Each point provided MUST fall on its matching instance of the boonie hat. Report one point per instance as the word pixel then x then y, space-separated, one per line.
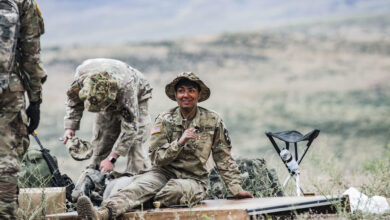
pixel 204 90
pixel 79 149
pixel 98 92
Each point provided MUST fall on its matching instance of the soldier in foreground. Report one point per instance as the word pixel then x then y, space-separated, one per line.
pixel 182 140
pixel 119 94
pixel 21 71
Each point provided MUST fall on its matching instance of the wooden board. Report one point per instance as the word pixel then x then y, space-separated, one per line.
pixel 232 209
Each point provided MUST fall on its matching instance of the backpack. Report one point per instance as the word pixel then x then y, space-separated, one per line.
pixel 9 32
pixel 35 172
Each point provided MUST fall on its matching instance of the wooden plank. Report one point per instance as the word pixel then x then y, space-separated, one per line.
pixel 189 214
pixel 227 209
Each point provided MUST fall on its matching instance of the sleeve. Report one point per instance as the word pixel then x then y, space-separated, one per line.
pixel 126 138
pixel 130 121
pixel 74 107
pixel 162 150
pixel 224 161
pixel 145 91
pixel 31 28
pixel 143 121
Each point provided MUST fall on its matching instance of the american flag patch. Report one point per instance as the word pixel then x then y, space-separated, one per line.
pixel 155 129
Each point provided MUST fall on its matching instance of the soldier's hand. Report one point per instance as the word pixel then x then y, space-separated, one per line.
pixel 243 195
pixel 106 166
pixel 188 134
pixel 33 114
pixel 69 133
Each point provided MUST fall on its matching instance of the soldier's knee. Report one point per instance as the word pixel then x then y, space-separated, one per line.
pixel 170 194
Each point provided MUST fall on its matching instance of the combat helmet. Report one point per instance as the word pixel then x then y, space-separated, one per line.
pixel 98 92
pixel 204 90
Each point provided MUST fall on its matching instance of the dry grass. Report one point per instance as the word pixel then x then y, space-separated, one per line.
pixel 330 76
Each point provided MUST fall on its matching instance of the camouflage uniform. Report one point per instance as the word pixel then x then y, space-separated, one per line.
pixel 14 139
pixel 179 174
pixel 124 125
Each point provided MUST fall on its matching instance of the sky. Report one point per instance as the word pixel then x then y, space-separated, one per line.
pixel 100 22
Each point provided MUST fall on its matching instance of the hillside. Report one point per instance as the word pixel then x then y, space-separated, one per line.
pixel 332 75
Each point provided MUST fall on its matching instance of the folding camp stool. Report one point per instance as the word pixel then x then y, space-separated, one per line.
pixel 293 137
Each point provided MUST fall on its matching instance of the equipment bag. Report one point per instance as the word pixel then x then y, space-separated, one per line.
pixel 35 171
pixel 9 30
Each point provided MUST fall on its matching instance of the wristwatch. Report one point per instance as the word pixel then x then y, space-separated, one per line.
pixel 112 159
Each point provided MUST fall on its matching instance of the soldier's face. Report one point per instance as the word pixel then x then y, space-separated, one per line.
pixel 187 97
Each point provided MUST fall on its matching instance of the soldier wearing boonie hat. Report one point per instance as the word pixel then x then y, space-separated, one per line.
pixel 119 94
pixel 99 92
pixel 182 140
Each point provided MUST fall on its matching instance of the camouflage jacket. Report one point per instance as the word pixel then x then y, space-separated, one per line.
pixel 190 160
pixel 28 73
pixel 132 89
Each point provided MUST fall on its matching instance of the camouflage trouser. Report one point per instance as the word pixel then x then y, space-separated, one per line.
pixel 13 144
pixel 107 128
pixel 158 185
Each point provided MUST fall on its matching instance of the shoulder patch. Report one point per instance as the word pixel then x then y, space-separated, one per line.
pixel 155 129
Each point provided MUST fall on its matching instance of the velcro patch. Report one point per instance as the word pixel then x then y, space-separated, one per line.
pixel 155 129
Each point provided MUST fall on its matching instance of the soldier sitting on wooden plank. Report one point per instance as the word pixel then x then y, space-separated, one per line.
pixel 182 140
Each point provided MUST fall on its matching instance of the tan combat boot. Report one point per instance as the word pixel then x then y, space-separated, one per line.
pixel 85 210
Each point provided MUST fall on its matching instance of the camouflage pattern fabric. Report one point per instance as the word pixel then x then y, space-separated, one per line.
pixel 204 90
pixel 14 142
pixel 9 27
pixel 121 128
pixel 256 179
pixel 27 74
pixel 98 92
pixel 159 185
pixel 91 183
pixel 179 174
pixel 189 162
pixel 79 149
pixel 9 195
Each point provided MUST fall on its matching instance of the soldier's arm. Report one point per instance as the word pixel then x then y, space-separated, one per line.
pixel 74 107
pixel 224 161
pixel 31 28
pixel 162 151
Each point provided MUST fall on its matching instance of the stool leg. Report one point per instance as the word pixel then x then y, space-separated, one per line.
pixel 297 184
pixel 286 181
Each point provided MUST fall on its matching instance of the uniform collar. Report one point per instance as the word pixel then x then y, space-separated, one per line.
pixel 195 121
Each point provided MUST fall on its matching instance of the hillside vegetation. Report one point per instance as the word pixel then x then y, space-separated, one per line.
pixel 333 76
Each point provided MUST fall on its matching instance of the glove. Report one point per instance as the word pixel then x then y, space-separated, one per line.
pixel 33 114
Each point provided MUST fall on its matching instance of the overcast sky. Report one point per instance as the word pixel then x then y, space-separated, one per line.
pixel 82 22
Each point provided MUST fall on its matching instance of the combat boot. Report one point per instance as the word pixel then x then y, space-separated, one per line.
pixel 85 210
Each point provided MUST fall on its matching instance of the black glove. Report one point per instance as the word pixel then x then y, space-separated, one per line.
pixel 33 114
